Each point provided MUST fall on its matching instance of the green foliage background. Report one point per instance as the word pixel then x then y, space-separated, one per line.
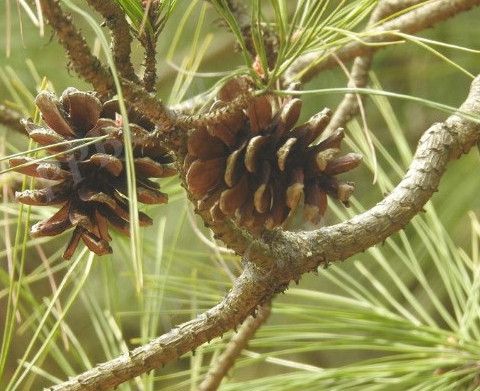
pixel 401 316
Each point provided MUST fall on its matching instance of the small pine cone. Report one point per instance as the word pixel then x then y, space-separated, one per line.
pixel 254 166
pixel 90 182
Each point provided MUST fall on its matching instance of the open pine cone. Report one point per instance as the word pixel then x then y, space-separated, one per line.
pixel 91 184
pixel 255 166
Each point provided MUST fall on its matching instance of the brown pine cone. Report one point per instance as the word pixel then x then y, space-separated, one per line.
pixel 91 184
pixel 255 166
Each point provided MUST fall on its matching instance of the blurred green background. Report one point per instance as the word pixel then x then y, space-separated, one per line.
pixel 184 276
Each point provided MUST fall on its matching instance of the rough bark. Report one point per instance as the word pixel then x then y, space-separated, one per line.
pixel 251 289
pixel 121 38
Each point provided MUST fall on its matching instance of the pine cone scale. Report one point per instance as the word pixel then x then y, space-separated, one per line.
pixel 98 246
pixel 107 162
pixel 84 109
pixel 54 225
pixel 262 198
pixel 45 136
pixel 290 113
pixel 284 152
pixel 259 112
pixel 147 167
pixel 48 196
pixel 204 175
pixel 52 115
pixel 73 243
pixel 235 166
pixel 254 149
pixel 233 198
pixel 343 164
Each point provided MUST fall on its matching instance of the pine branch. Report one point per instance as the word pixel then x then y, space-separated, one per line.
pixel 83 61
pixel 149 43
pixel 89 68
pixel 309 65
pixel 11 119
pixel 150 75
pixel 440 144
pixel 281 257
pixel 350 105
pixel 234 348
pixel 249 290
pixel 121 37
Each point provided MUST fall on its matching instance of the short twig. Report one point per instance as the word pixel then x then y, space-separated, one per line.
pixel 350 105
pixel 89 67
pixel 81 58
pixel 410 23
pixel 149 43
pixel 238 342
pixel 121 38
pixel 11 119
pixel 150 74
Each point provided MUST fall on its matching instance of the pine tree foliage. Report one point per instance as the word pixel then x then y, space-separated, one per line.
pixel 401 316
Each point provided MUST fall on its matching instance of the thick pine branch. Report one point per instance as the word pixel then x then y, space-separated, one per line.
pixel 285 256
pixel 250 290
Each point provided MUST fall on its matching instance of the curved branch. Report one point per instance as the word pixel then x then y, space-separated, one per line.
pixel 251 289
pixel 441 143
pixel 309 65
pixel 285 256
pixel 358 78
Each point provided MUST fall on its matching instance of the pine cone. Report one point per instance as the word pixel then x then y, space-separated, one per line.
pixel 255 166
pixel 91 185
